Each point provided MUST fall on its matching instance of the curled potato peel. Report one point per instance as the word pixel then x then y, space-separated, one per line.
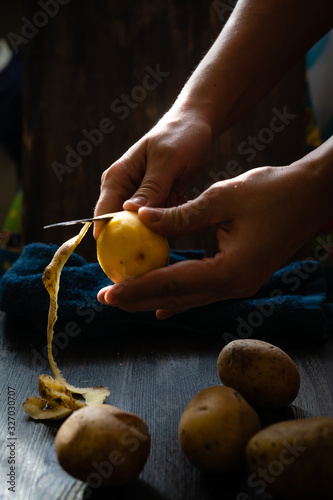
pixel 56 394
pixel 38 409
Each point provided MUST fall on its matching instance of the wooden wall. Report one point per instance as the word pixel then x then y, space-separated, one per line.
pixel 82 61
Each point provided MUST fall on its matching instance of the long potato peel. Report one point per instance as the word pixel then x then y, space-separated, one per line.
pixel 58 390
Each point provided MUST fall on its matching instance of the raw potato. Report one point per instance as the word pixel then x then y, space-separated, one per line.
pixel 263 373
pixel 126 248
pixel 293 459
pixel 103 440
pixel 215 428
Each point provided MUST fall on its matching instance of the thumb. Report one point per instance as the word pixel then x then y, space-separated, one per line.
pixel 153 191
pixel 190 217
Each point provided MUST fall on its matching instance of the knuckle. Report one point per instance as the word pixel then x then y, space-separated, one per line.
pixel 116 168
pixel 170 287
pixel 177 220
pixel 151 185
pixel 106 176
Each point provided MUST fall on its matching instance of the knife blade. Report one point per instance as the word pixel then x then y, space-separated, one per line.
pixel 78 221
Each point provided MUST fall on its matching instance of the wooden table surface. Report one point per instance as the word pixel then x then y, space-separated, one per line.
pixel 152 373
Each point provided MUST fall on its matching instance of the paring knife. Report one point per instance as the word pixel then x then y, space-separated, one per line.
pixel 78 221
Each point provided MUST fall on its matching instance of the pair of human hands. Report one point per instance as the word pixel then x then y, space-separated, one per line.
pixel 259 218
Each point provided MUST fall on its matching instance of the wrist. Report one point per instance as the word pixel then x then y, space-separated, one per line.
pixel 197 108
pixel 316 175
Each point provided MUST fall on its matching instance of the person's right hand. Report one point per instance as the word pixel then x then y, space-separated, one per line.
pixel 155 170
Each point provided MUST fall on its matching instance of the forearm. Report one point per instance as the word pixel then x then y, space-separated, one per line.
pixel 260 42
pixel 316 171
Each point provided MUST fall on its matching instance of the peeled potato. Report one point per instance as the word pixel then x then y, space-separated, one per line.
pixel 263 373
pixel 126 248
pixel 103 440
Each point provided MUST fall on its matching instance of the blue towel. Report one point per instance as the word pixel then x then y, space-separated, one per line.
pixel 293 304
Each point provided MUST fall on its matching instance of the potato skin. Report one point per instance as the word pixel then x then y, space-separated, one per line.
pixel 105 441
pixel 293 459
pixel 263 373
pixel 215 428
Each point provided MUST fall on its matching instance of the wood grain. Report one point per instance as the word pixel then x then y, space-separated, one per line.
pixel 153 373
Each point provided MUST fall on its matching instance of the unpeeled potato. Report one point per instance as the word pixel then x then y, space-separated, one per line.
pixel 293 459
pixel 264 374
pixel 101 441
pixel 214 429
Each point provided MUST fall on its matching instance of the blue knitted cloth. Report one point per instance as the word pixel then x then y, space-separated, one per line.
pixel 293 304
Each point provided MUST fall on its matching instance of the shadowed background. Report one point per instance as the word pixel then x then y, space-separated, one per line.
pixel 85 70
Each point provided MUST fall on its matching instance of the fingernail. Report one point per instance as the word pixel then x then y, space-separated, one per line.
pixel 107 296
pixel 114 294
pixel 136 201
pixel 101 296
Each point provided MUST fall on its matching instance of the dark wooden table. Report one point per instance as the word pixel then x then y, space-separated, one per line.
pixel 152 373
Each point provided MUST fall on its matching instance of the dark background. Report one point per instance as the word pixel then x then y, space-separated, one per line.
pixel 85 58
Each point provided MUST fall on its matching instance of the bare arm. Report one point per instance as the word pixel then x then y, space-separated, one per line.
pixel 260 42
pixel 263 216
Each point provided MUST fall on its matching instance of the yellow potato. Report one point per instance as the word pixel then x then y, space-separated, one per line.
pixel 126 248
pixel 215 428
pixel 101 444
pixel 293 459
pixel 263 373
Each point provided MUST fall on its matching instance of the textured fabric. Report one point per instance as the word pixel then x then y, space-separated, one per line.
pixel 293 304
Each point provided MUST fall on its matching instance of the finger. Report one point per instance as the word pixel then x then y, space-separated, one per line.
pixel 162 314
pixel 174 304
pixel 98 226
pixel 118 182
pixel 163 170
pixel 193 216
pixel 182 285
pixel 153 191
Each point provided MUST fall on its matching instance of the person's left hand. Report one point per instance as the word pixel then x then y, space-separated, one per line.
pixel 261 220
